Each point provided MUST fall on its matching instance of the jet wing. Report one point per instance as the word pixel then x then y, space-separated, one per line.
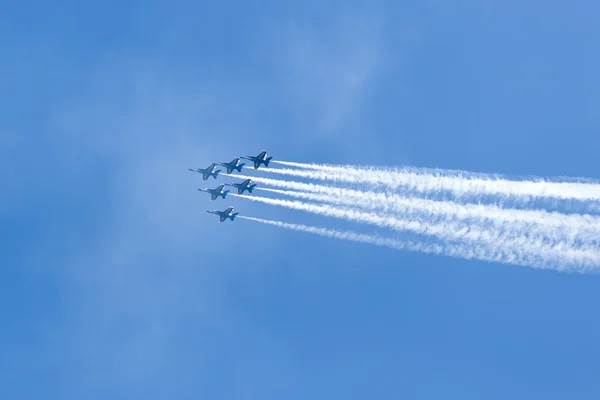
pixel 228 211
pixel 262 155
pixel 222 218
pixel 220 188
pixel 246 182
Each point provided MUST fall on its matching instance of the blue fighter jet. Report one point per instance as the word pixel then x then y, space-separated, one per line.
pixel 207 172
pixel 223 215
pixel 217 192
pixel 232 165
pixel 242 186
pixel 259 159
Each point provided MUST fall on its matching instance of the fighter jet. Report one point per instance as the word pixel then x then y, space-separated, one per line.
pixel 207 172
pixel 233 165
pixel 223 215
pixel 242 186
pixel 259 159
pixel 214 193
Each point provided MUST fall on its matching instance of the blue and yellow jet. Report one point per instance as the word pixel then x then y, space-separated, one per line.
pixel 223 215
pixel 259 159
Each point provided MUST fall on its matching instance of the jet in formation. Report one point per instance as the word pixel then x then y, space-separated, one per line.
pixel 242 186
pixel 259 159
pixel 216 192
pixel 207 172
pixel 233 165
pixel 226 214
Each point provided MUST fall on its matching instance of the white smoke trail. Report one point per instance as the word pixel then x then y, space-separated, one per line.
pixel 550 224
pixel 483 243
pixel 361 238
pixel 356 237
pixel 458 184
pixel 433 171
pixel 438 249
pixel 307 187
pixel 571 230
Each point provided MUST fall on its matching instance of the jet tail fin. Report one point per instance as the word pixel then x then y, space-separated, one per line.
pixel 267 161
pixel 224 193
pixel 250 188
pixel 239 167
pixel 233 216
pixel 216 173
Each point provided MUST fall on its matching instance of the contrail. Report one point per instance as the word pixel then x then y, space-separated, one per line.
pixel 458 184
pixel 484 244
pixel 359 237
pixel 585 227
pixel 568 229
pixel 306 187
pixel 356 237
pixel 438 249
pixel 431 171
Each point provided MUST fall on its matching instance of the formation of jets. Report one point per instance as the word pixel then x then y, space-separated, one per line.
pixel 233 165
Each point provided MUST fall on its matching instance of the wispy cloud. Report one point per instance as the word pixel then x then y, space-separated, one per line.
pixel 144 272
pixel 326 70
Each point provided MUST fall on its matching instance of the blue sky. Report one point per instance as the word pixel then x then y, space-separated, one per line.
pixel 116 283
